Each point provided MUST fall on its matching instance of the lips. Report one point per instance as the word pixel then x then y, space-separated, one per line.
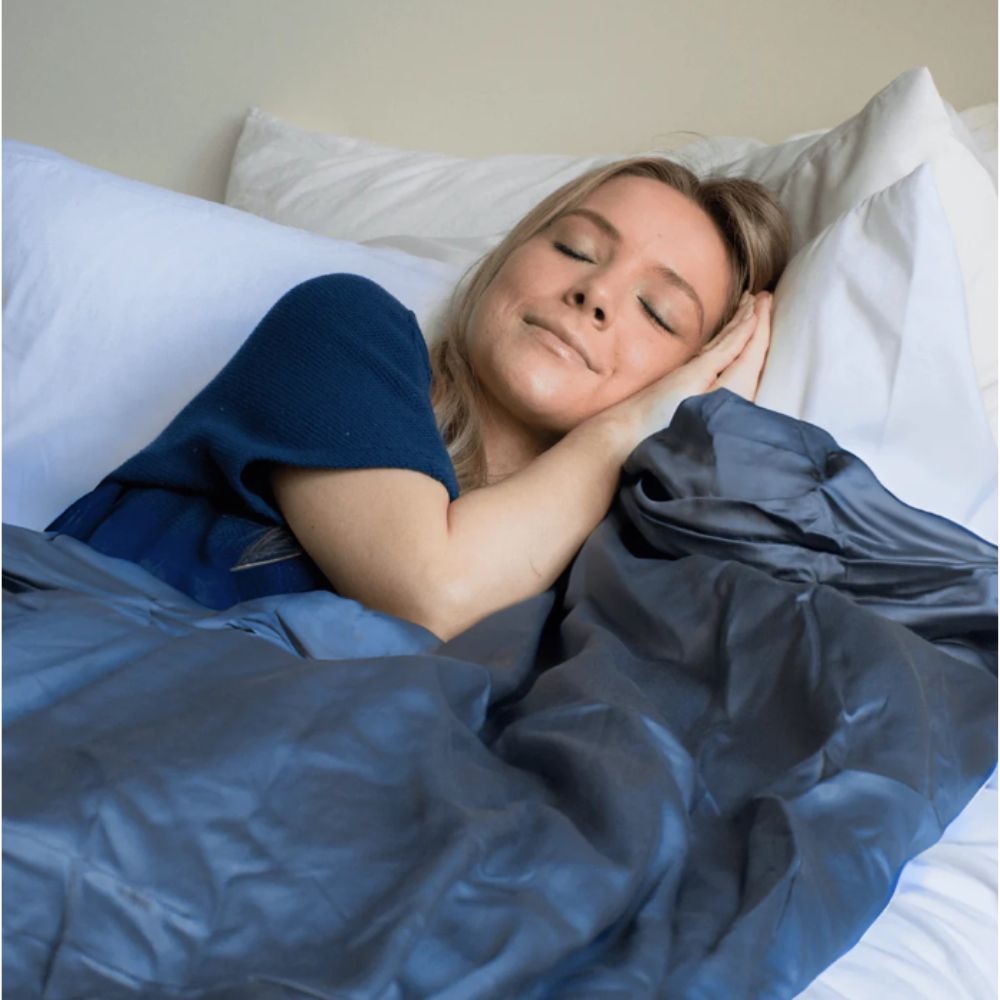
pixel 567 337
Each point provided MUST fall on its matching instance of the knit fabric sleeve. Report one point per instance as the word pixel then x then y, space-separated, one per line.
pixel 336 375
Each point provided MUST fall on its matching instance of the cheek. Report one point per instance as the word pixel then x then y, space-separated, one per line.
pixel 496 310
pixel 520 274
pixel 643 360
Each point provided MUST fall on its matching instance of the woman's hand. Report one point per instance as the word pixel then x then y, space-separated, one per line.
pixel 742 376
pixel 733 359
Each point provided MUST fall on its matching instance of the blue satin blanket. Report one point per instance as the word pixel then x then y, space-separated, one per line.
pixel 693 769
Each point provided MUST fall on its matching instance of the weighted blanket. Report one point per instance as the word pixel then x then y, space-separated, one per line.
pixel 692 769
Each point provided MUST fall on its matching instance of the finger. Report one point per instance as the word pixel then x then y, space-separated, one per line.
pixel 743 375
pixel 755 353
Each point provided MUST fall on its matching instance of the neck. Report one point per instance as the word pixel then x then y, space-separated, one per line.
pixel 509 444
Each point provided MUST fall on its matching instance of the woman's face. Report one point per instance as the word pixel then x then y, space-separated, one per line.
pixel 606 299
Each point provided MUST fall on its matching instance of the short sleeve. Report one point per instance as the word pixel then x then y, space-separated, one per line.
pixel 336 375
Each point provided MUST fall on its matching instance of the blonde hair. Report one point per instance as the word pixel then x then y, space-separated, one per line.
pixel 750 220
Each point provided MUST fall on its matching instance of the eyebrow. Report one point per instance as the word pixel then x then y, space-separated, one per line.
pixel 667 273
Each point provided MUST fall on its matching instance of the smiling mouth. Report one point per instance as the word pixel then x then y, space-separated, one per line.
pixel 559 345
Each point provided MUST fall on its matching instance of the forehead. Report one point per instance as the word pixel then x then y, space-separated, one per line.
pixel 653 208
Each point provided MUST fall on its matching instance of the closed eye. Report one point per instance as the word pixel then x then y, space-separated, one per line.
pixel 570 252
pixel 656 319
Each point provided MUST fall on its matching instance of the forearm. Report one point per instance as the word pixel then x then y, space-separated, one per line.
pixel 391 539
pixel 509 541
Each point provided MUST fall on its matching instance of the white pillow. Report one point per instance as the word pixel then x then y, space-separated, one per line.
pixel 358 190
pixel 981 123
pixel 353 189
pixel 901 127
pixel 122 300
pixel 869 343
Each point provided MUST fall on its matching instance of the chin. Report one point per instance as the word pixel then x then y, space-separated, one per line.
pixel 546 413
pixel 540 390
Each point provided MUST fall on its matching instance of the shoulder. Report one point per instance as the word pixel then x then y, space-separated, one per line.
pixel 335 312
pixel 342 294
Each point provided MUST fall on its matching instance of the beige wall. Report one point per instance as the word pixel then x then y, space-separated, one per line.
pixel 157 89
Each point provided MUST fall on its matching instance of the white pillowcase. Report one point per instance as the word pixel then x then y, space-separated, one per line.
pixel 868 342
pixel 353 189
pixel 981 123
pixel 122 300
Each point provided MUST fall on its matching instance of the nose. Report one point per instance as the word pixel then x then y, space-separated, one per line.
pixel 592 297
pixel 580 301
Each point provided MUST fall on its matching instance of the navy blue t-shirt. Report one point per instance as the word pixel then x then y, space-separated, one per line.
pixel 336 376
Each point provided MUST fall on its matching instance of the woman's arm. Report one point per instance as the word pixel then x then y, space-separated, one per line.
pixel 390 538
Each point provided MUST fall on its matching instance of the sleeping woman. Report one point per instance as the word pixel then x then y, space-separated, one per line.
pixel 333 451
